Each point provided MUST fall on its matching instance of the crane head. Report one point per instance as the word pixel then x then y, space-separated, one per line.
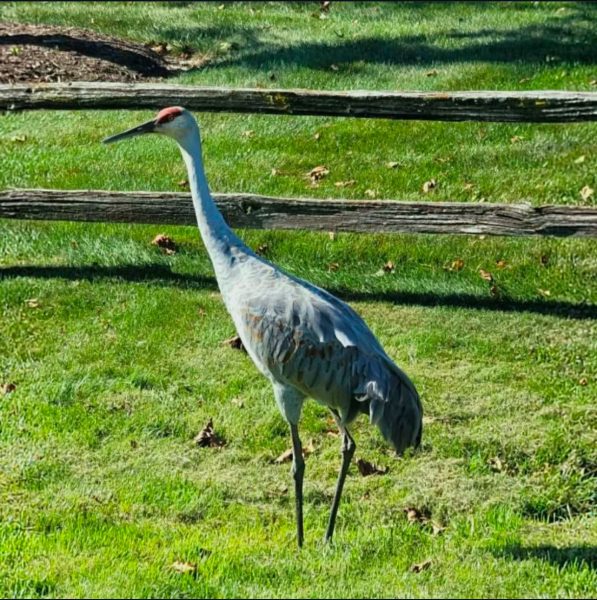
pixel 172 121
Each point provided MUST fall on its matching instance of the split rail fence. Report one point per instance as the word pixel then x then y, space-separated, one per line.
pixel 261 212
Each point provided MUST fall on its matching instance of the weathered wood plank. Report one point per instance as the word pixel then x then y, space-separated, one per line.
pixel 533 106
pixel 261 212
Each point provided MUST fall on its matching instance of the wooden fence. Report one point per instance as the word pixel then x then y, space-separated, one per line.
pixel 252 211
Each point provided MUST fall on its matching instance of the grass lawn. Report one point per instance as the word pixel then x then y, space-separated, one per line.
pixel 115 349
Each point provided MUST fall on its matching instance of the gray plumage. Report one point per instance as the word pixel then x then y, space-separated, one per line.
pixel 307 342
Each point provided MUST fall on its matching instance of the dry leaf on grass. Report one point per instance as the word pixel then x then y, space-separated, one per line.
pixel 389 267
pixel 316 174
pixel 316 136
pixel 501 264
pixel 392 164
pixel 486 275
pixel 249 133
pixel 586 192
pixel 456 265
pixel 580 159
pixel 332 235
pixel 262 249
pixel 7 388
pixel 184 568
pixel 431 73
pixel 371 193
pixel 343 184
pixel 366 468
pixel 207 437
pixel 418 567
pixel 544 292
pixel 164 242
pixel 429 185
pixel 583 381
pixel 417 515
pixel 333 267
pixel 234 342
pixel 32 303
pixel 286 456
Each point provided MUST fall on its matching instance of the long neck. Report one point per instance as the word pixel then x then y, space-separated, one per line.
pixel 220 241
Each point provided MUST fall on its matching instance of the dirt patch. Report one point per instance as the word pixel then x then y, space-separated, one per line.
pixel 39 53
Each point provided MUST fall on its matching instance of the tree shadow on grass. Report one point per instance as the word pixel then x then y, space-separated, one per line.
pixel 162 275
pixel 569 38
pixel 583 555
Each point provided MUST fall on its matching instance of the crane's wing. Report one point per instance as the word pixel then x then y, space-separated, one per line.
pixel 306 337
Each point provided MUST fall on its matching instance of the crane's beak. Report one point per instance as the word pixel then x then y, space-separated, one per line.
pixel 148 127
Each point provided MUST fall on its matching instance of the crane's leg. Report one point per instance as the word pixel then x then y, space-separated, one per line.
pixel 348 448
pixel 290 402
pixel 298 471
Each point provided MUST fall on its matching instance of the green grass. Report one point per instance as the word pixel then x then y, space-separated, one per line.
pixel 116 350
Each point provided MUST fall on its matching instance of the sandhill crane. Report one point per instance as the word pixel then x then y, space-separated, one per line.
pixel 307 342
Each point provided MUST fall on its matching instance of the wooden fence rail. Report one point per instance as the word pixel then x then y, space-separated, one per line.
pixel 261 212
pixel 534 106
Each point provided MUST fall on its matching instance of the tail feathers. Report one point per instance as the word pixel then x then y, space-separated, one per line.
pixel 396 409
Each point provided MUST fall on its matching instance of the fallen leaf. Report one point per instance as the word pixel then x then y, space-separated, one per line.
pixel 286 456
pixel 417 515
pixel 496 464
pixel 334 67
pixel 371 193
pixel 183 183
pixel 234 342
pixel 333 267
pixel 366 468
pixel 332 235
pixel 583 381
pixel 7 388
pixel 207 437
pixel 515 139
pixel 468 186
pixel 418 567
pixel 580 159
pixel 392 164
pixel 238 402
pixel 32 303
pixel 431 73
pixel 249 133
pixel 501 264
pixel 201 311
pixel 486 275
pixel 276 172
pixel 389 267
pixel 348 183
pixel 494 290
pixel 18 138
pixel 429 185
pixel 544 292
pixel 317 136
pixel 586 192
pixel 457 265
pixel 318 173
pixel 165 243
pixel 262 249
pixel 437 529
pixel 184 568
